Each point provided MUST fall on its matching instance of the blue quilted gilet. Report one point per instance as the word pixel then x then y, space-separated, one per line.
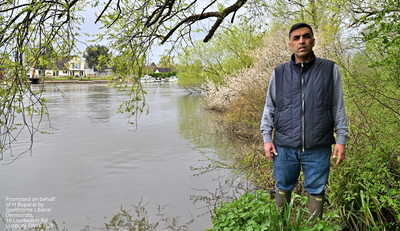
pixel 303 114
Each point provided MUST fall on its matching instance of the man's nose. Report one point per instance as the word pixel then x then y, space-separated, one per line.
pixel 301 40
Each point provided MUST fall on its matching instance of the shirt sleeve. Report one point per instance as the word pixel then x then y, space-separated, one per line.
pixel 338 109
pixel 267 120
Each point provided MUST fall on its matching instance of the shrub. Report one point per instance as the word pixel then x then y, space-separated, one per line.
pixel 258 212
pixel 70 77
pixel 366 192
pixel 366 189
pixel 249 80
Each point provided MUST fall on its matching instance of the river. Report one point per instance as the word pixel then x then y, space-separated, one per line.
pixel 94 168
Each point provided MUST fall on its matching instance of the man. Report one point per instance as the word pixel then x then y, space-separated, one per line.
pixel 304 106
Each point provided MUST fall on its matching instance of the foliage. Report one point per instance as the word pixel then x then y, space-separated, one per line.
pixel 258 212
pixel 256 168
pixel 190 75
pixel 166 61
pixel 30 35
pixel 366 191
pixel 175 22
pixel 241 97
pixel 227 53
pixel 97 57
pixel 42 58
pixel 319 14
pixel 240 82
pixel 371 177
pixel 382 37
pixel 119 66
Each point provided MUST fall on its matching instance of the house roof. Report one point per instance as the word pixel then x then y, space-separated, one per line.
pixel 61 63
pixel 161 69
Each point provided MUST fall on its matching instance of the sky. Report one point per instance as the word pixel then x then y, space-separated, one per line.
pixel 89 26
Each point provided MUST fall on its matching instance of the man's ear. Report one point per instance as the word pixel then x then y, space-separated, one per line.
pixel 290 46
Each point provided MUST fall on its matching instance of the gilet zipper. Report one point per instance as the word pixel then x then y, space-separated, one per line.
pixel 302 108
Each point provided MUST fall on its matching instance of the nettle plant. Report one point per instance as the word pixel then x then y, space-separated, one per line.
pixel 258 212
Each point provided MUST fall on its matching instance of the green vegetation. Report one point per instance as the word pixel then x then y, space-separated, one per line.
pixel 258 212
pixel 224 55
pixel 164 75
pixel 365 190
pixel 167 61
pixel 97 57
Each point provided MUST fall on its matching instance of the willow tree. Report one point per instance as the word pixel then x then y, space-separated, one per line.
pixel 30 28
pixel 29 31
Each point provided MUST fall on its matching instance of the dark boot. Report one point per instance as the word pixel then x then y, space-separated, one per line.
pixel 282 196
pixel 316 205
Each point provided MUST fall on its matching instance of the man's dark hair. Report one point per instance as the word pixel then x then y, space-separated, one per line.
pixel 300 25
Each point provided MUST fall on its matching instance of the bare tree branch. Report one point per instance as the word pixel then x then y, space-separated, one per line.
pixel 104 10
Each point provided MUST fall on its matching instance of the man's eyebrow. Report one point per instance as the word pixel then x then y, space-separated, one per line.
pixel 297 35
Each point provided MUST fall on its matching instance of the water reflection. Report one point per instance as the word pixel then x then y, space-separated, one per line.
pixel 199 126
pixel 94 101
pixel 135 218
pixel 98 104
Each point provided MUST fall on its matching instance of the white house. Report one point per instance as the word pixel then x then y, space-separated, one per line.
pixel 69 66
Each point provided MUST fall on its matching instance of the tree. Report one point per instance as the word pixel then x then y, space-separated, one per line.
pixel 166 61
pixel 329 18
pixel 27 30
pixel 97 57
pixel 228 52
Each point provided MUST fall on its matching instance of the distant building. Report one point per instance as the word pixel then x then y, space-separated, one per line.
pixel 68 66
pixel 161 70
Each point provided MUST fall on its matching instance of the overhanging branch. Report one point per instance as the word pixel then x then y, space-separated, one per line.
pixel 198 17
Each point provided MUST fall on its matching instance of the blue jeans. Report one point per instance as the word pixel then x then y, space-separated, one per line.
pixel 315 163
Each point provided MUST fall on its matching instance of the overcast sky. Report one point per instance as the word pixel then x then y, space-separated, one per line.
pixel 90 27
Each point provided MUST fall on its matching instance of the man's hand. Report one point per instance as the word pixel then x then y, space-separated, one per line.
pixel 269 150
pixel 339 151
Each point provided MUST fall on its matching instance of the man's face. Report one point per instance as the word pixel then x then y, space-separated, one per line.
pixel 301 43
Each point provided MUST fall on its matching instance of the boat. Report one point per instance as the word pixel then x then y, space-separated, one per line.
pixel 172 79
pixel 146 79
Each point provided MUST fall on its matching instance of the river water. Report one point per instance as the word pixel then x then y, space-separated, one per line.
pixel 94 168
